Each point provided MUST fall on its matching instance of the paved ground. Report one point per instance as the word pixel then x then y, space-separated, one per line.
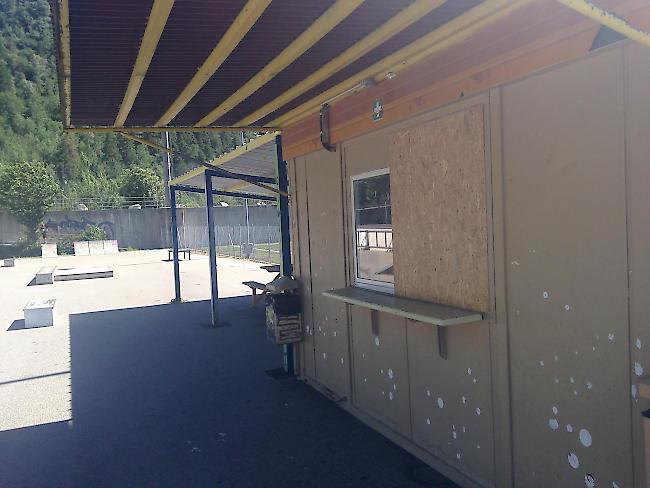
pixel 129 390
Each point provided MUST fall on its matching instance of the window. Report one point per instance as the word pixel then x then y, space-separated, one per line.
pixel 373 230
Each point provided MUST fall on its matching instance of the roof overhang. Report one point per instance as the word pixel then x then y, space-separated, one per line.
pixel 260 65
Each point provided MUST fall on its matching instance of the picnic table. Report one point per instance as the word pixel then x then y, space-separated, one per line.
pixel 185 252
pixel 271 268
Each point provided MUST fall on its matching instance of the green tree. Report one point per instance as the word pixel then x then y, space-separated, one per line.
pixel 27 191
pixel 140 184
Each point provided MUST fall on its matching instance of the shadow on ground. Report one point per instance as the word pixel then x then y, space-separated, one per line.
pixel 161 399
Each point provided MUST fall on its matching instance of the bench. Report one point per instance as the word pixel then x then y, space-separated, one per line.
pixel 185 252
pixel 254 286
pixel 39 313
pixel 44 276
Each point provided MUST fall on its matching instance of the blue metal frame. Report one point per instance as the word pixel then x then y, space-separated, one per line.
pixel 177 273
pixel 196 189
pixel 212 252
pixel 239 176
pixel 285 236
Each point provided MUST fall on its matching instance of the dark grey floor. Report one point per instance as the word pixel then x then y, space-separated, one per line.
pixel 159 399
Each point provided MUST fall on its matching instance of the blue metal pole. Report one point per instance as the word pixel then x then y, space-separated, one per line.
pixel 212 253
pixel 177 272
pixel 285 235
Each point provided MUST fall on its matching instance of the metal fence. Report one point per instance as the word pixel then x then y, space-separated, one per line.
pixel 258 242
pixel 65 203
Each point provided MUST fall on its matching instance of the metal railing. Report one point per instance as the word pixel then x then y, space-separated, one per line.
pixel 65 203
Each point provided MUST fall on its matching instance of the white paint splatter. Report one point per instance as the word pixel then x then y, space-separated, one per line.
pixel 574 462
pixel 575 392
pixel 365 380
pixel 394 387
pixel 615 485
pixel 553 424
pixel 635 391
pixel 572 379
pixel 589 385
pixel 610 336
pixel 590 482
pixel 341 360
pixel 557 381
pixel 391 375
pixel 334 333
pixel 478 411
pixel 545 295
pixel 585 437
pixel 324 355
pixel 567 307
pixel 458 455
pixel 428 393
pixel 377 341
pixel 464 400
pixel 464 430
pixel 441 402
pixel 515 263
pixel 381 371
pixel 555 410
pixel 541 363
pixel 593 348
pixel 638 343
pixel 428 421
pixel 638 369
pixel 363 355
pixel 454 435
pixel 556 358
pixel 383 393
pixel 478 446
pixel 569 428
pixel 390 395
pixel 474 380
pixel 469 371
pixel 576 353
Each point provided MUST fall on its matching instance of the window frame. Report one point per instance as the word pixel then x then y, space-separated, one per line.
pixel 375 285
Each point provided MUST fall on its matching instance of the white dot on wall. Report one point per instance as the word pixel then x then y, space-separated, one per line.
pixel 574 462
pixel 391 375
pixel 458 456
pixel 474 380
pixel 556 358
pixel 464 430
pixel 567 307
pixel 638 343
pixel 363 355
pixel 341 360
pixel 553 424
pixel 555 410
pixel 589 385
pixel 590 482
pixel 638 369
pixel 334 333
pixel 610 337
pixel 635 391
pixel 454 435
pixel 428 421
pixel 572 379
pixel 383 393
pixel 585 437
pixel 464 400
pixel 545 295
pixel 381 371
pixel 593 348
pixel 469 371
pixel 569 428
pixel 575 392
pixel 390 395
pixel 557 381
pixel 615 485
pixel 541 363
pixel 376 340
pixel 441 402
pixel 365 380
pixel 394 387
pixel 324 355
pixel 428 393
pixel 478 411
pixel 478 446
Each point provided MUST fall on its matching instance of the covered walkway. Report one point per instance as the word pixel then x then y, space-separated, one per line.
pixel 161 398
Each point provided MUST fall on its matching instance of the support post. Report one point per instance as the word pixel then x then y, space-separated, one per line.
pixel 177 272
pixel 285 236
pixel 167 167
pixel 212 252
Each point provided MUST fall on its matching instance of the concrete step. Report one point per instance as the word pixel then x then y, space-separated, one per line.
pixel 39 313
pixel 44 275
pixel 82 274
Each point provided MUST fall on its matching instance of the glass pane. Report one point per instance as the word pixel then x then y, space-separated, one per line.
pixel 373 228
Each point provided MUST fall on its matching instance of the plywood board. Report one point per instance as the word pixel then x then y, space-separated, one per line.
pixel 437 173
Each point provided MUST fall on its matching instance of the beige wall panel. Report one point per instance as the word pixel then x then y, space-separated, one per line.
pixel 451 399
pixel 638 113
pixel 303 271
pixel 326 244
pixel 381 383
pixel 564 192
pixel 437 177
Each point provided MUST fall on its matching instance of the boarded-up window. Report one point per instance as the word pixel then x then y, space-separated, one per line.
pixel 437 178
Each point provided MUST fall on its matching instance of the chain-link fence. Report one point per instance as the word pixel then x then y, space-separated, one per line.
pixel 256 237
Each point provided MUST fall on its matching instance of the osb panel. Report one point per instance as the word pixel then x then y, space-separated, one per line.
pixel 437 178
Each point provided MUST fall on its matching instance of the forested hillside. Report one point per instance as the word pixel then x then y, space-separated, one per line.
pixel 30 120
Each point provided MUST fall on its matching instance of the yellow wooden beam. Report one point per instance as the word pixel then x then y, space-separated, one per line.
pixel 66 72
pixel 233 36
pixel 324 24
pixel 608 19
pixel 238 186
pixel 395 25
pixel 453 32
pixel 146 142
pixel 102 129
pixel 155 25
